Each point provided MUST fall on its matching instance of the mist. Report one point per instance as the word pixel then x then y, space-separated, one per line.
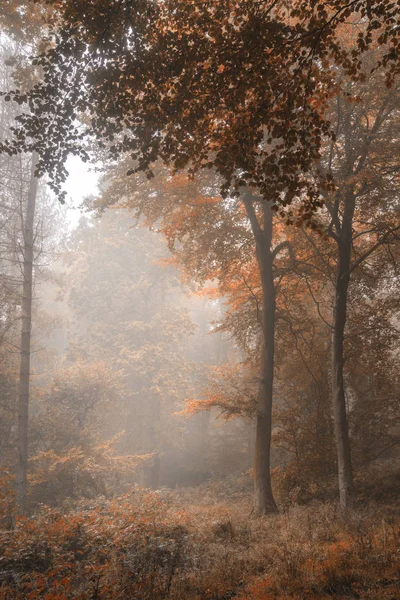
pixel 199 300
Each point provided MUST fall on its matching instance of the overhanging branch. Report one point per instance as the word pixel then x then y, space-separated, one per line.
pixel 379 243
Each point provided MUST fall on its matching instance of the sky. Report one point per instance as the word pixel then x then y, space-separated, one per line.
pixel 82 182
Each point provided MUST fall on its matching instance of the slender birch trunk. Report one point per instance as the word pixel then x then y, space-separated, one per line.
pixel 24 377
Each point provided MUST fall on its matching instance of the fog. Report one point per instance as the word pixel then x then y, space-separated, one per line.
pixel 199 300
pixel 123 344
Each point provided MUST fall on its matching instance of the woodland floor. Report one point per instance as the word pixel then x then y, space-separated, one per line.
pixel 155 546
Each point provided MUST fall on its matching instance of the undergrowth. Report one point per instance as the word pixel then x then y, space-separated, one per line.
pixel 145 546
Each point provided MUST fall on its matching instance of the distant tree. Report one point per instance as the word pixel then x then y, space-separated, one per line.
pixel 216 238
pixel 27 260
pixel 130 310
pixel 25 248
pixel 70 455
pixel 18 254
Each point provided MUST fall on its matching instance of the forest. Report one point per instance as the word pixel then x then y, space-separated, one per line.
pixel 199 299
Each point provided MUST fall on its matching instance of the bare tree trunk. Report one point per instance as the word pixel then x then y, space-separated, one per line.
pixel 263 496
pixel 24 377
pixel 346 486
pixel 153 470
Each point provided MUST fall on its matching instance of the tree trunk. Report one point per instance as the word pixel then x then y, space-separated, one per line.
pixel 346 487
pixel 153 471
pixel 24 377
pixel 263 496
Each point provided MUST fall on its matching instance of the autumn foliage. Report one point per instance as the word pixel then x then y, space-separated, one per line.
pixel 208 360
pixel 145 545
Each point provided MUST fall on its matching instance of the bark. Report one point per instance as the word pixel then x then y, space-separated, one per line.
pixel 153 471
pixel 263 496
pixel 356 161
pixel 25 352
pixel 344 240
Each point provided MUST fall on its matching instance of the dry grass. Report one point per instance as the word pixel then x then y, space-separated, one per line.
pixel 148 547
pixel 308 552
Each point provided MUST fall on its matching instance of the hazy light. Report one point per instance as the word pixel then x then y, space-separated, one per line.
pixel 82 182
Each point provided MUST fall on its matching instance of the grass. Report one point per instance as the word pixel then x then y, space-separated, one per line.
pixel 149 546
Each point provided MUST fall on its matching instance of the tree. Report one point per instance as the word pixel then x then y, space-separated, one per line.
pixel 215 238
pixel 25 247
pixel 9 287
pixel 72 455
pixel 130 310
pixel 19 206
pixel 236 86
pixel 362 218
pixel 24 377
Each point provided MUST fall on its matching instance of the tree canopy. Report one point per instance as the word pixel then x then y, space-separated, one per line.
pixel 239 87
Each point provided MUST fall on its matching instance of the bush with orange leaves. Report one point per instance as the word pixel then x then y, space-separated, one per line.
pixel 127 548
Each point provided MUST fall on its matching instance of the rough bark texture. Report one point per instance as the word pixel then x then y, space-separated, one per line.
pixel 24 377
pixel 263 496
pixel 346 487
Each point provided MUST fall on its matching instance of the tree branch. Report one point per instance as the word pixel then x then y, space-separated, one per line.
pixel 316 302
pixel 281 246
pixel 371 250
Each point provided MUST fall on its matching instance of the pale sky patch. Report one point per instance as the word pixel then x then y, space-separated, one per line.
pixel 81 183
